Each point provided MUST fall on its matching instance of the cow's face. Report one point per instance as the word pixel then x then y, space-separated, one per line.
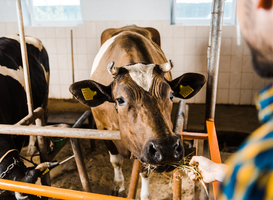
pixel 143 99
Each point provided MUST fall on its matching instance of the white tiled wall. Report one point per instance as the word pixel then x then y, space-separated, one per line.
pixel 185 46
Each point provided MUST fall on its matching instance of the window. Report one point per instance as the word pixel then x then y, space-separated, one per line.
pixel 52 12
pixel 198 12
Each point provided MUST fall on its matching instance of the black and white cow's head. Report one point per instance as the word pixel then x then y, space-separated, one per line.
pixel 143 99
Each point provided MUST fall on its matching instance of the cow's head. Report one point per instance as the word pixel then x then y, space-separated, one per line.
pixel 143 99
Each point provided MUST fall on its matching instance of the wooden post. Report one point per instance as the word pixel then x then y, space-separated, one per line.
pixel 134 179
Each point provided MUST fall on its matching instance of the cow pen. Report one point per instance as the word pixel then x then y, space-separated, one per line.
pixel 75 133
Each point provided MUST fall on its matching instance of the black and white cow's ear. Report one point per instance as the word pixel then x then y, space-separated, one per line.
pixel 91 93
pixel 187 85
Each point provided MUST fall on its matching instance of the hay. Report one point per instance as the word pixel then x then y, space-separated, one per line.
pixel 183 165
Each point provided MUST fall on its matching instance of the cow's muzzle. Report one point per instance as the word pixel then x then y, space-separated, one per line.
pixel 161 151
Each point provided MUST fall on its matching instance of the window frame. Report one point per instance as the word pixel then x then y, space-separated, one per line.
pixel 201 21
pixel 53 23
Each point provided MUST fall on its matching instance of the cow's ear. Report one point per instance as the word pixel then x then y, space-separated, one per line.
pixel 91 93
pixel 187 85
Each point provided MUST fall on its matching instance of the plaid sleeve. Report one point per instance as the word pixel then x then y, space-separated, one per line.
pixel 250 170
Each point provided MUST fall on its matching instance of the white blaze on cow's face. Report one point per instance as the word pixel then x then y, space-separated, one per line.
pixel 142 74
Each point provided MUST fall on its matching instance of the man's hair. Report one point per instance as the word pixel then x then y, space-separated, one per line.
pixel 262 60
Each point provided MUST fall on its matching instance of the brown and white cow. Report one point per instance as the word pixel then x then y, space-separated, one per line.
pixel 131 90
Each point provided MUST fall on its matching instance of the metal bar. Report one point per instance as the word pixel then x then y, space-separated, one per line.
pixel 72 57
pixel 177 184
pixel 78 153
pixel 80 164
pixel 81 120
pixel 178 127
pixel 30 118
pixel 213 67
pixel 193 135
pixel 134 179
pixel 60 132
pixel 214 56
pixel 179 122
pixel 46 191
pixel 24 57
pixel 43 150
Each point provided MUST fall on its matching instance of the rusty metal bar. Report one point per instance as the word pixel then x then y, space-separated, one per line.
pixel 80 164
pixel 134 179
pixel 81 120
pixel 178 127
pixel 72 57
pixel 194 135
pixel 177 184
pixel 179 122
pixel 56 193
pixel 78 153
pixel 30 118
pixel 24 57
pixel 60 132
pixel 214 56
pixel 43 150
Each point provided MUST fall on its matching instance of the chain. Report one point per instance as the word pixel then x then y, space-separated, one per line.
pixel 9 168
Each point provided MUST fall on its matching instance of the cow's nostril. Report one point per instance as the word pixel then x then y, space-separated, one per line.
pixel 154 153
pixel 178 150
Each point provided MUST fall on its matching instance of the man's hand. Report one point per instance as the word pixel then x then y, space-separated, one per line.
pixel 210 170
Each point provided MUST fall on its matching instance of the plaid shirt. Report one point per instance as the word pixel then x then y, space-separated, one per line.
pixel 250 169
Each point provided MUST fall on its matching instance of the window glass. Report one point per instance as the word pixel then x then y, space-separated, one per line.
pixel 198 12
pixel 55 12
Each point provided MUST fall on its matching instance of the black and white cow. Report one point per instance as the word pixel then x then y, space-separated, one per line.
pixel 13 103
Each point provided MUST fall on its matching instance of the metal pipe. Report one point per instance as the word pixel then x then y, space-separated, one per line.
pixel 134 179
pixel 81 120
pixel 214 56
pixel 72 57
pixel 78 153
pixel 179 122
pixel 193 135
pixel 24 57
pixel 178 127
pixel 80 164
pixel 43 150
pixel 46 191
pixel 60 132
pixel 177 184
pixel 30 118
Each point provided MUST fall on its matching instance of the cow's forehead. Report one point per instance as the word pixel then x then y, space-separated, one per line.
pixel 142 74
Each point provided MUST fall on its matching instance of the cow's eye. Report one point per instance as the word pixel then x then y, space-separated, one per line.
pixel 171 96
pixel 120 101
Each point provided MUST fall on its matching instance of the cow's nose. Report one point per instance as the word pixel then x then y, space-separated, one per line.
pixel 178 150
pixel 159 151
pixel 154 152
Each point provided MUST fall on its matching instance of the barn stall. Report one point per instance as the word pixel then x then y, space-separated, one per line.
pixel 184 43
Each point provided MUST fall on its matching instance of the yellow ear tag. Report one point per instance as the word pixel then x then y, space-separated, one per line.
pixel 185 90
pixel 88 94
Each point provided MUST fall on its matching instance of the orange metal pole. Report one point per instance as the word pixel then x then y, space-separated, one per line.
pixel 52 192
pixel 214 150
